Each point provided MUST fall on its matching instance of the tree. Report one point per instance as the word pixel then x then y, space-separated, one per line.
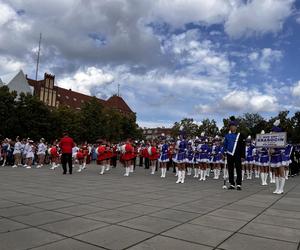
pixel 209 127
pixel 190 128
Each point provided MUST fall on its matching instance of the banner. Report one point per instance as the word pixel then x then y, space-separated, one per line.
pixel 271 140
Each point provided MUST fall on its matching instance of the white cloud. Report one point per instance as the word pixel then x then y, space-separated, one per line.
pixel 258 17
pixel 85 79
pixel 241 101
pixel 296 89
pixel 263 60
pixel 9 64
pixel 7 14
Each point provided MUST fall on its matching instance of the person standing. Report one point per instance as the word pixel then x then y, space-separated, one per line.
pixel 234 147
pixel 66 144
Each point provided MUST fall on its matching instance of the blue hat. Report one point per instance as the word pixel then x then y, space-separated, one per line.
pixel 233 121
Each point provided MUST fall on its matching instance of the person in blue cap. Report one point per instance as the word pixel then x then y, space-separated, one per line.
pixel 234 148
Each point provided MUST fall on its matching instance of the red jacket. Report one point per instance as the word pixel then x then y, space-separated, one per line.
pixel 66 144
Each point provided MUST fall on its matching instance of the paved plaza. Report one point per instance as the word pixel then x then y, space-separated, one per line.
pixel 43 209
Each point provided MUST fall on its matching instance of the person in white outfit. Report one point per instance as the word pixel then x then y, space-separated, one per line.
pixel 41 153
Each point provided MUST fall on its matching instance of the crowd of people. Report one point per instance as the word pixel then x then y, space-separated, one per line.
pixel 200 157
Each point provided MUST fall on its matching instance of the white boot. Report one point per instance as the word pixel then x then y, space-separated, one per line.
pixel 277 185
pixel 204 174
pixel 243 174
pixel 3 163
pixel 14 166
pixel 165 172
pixel 201 175
pixel 176 171
pixel 266 177
pixel 84 166
pixel 182 176
pixel 179 177
pixel 281 185
pixel 53 166
pixel 218 173
pixel 127 171
pixel 107 168
pixel 262 178
pixel 131 168
pixel 207 172
pixel 196 171
pixel 215 173
pixel 152 169
pixel 286 172
pixel 102 167
pixel 189 171
pixel 162 173
pixel 79 169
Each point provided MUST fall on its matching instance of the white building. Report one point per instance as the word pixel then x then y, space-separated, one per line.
pixel 16 81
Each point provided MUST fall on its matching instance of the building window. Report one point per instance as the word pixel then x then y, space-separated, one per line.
pixel 54 98
pixel 67 97
pixel 78 108
pixel 50 98
pixel 58 95
pixel 51 84
pixel 46 100
pixel 82 101
pixel 74 99
pixel 57 104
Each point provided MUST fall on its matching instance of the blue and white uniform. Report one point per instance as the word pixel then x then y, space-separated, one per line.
pixel 217 154
pixel 181 147
pixel 249 153
pixel 263 157
pixel 205 151
pixel 164 153
pixel 190 154
pixel 286 155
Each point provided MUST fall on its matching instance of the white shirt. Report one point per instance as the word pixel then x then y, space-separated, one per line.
pixel 41 149
pixel 17 148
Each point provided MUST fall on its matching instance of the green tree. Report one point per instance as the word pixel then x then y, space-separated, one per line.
pixel 209 127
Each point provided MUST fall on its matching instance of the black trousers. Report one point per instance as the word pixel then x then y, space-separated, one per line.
pixel 147 163
pixel 141 161
pixel 66 158
pixel 234 162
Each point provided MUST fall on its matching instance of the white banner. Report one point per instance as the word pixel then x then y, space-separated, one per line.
pixel 271 140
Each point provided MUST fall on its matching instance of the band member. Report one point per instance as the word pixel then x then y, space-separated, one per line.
pixel 113 160
pixel 127 151
pixel 276 163
pixel 109 154
pixel 217 157
pixel 54 156
pixel 180 157
pixel 190 157
pixel 17 153
pixel 101 156
pixel 86 154
pixel 164 157
pixel 234 147
pixel 204 157
pixel 153 156
pixel 263 162
pixel 5 148
pixel 197 148
pixel 79 156
pixel 249 160
pixel 30 154
pixel 41 153
pixel 286 159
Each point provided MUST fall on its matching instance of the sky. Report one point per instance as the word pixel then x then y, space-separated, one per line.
pixel 172 58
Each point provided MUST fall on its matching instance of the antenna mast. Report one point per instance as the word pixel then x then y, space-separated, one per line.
pixel 38 58
pixel 118 89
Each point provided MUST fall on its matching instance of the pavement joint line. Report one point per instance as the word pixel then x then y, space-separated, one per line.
pixel 268 238
pixel 160 234
pixel 265 209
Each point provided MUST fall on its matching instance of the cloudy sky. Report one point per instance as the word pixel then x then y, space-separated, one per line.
pixel 172 58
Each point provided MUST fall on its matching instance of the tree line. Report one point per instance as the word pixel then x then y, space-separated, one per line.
pixel 26 116
pixel 249 124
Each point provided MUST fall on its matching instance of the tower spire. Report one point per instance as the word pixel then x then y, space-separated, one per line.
pixel 38 58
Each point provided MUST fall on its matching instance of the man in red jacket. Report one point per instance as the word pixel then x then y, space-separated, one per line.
pixel 66 144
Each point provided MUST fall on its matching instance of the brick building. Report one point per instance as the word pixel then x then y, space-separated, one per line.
pixel 154 133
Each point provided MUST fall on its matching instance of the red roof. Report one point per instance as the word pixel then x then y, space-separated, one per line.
pixel 117 102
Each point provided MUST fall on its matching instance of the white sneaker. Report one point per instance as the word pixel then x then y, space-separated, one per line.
pixel 28 167
pixel 38 166
pixel 14 166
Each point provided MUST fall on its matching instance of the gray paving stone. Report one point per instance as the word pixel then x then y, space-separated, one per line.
pixel 140 209
pixel 219 222
pixel 278 220
pixel 109 204
pixel 68 244
pixel 163 243
pixel 114 237
pixel 41 218
pixel 73 226
pixel 248 242
pixel 26 238
pixel 273 232
pixel 54 204
pixel 174 215
pixel 7 225
pixel 282 213
pixel 234 214
pixel 4 204
pixel 79 210
pixel 149 224
pixel 198 234
pixel 18 210
pixel 112 216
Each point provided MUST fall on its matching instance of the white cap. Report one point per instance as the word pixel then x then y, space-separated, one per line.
pixel 276 123
pixel 216 137
pixel 262 132
pixel 181 128
pixel 202 133
pixel 163 134
pixel 249 137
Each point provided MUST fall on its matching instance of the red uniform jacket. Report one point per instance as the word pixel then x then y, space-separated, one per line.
pixel 66 144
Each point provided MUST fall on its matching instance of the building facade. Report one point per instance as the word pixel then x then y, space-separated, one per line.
pixel 154 133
